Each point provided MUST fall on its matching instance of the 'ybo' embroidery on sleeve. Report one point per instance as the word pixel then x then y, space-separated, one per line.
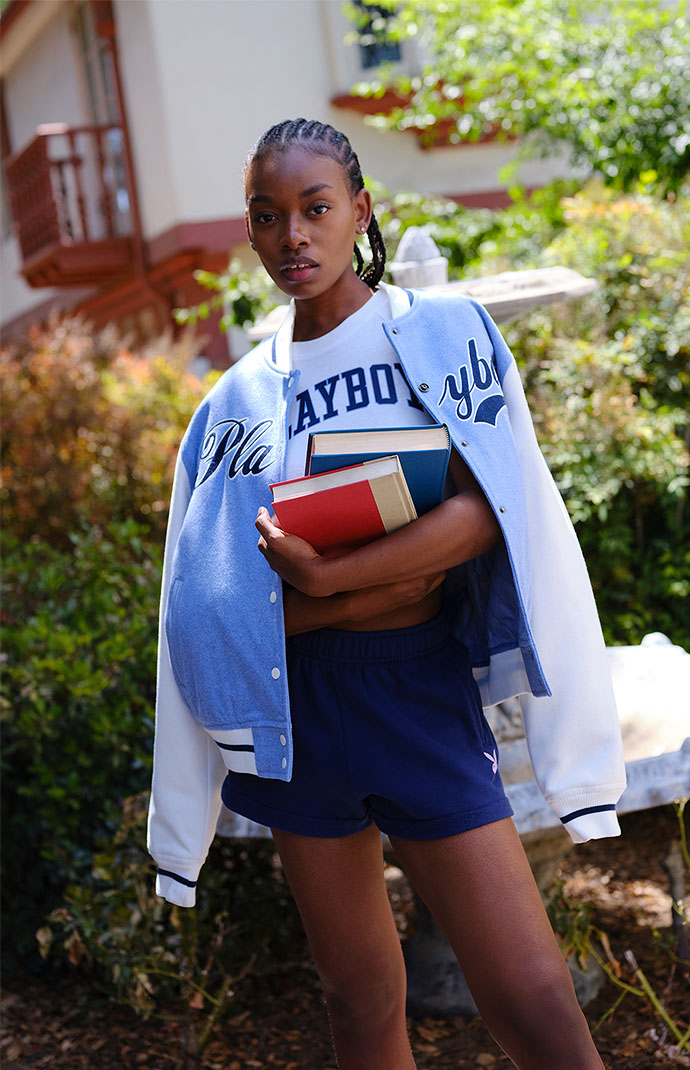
pixel 249 454
pixel 480 376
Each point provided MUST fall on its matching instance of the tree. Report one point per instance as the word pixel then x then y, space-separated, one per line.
pixel 608 79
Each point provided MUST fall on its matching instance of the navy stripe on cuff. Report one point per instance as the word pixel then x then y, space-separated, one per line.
pixel 235 746
pixel 176 877
pixel 588 810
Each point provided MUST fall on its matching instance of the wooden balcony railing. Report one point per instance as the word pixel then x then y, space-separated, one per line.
pixel 70 205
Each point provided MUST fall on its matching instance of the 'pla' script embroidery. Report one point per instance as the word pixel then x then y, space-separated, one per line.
pixel 249 455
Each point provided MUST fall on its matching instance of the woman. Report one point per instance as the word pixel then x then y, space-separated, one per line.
pixel 368 716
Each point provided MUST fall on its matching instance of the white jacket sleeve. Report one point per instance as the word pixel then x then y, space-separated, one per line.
pixel 573 736
pixel 188 771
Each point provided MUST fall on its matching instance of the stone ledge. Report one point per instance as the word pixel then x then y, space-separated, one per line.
pixel 651 782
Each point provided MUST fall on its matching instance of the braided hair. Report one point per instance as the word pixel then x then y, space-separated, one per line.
pixel 325 140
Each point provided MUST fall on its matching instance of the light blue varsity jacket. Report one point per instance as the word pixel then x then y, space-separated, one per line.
pixel 525 610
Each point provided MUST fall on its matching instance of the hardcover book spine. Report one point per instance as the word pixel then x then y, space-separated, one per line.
pixel 394 502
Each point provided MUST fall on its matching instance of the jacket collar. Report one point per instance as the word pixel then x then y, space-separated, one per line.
pixel 401 301
pixel 282 342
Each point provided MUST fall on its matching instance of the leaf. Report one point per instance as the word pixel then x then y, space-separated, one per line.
pixel 44 936
pixel 74 946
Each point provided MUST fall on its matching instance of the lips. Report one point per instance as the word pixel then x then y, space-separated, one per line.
pixel 298 270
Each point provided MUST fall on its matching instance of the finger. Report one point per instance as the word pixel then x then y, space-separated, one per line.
pixel 263 523
pixel 438 581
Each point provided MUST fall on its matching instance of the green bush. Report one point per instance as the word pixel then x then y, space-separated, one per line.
pixel 90 430
pixel 77 694
pixel 469 237
pixel 607 80
pixel 608 379
pixel 90 435
pixel 155 956
pixel 242 296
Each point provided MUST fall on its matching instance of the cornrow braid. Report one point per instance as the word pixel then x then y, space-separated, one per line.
pixel 324 140
pixel 373 273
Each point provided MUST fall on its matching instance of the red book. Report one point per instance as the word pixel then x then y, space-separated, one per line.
pixel 338 511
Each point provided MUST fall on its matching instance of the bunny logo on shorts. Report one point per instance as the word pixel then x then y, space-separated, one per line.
pixel 493 758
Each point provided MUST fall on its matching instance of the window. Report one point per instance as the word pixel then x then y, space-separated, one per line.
pixel 97 67
pixel 375 44
pixel 99 79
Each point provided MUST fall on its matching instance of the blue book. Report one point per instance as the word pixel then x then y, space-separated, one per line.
pixel 423 451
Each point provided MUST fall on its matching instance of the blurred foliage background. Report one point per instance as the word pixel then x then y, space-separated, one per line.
pixel 91 429
pixel 605 80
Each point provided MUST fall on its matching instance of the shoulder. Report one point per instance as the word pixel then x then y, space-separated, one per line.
pixel 248 366
pixel 453 305
pixel 433 305
pixel 444 312
pixel 441 320
pixel 244 372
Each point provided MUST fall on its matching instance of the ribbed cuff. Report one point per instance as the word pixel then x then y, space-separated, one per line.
pixel 591 824
pixel 176 888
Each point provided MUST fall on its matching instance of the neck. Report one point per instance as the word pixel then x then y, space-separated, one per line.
pixel 316 316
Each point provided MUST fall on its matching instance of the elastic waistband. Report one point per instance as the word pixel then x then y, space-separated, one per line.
pixel 388 645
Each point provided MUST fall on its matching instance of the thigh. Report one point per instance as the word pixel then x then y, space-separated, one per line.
pixel 340 891
pixel 480 888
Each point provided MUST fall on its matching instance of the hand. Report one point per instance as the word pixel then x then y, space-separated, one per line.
pixel 292 558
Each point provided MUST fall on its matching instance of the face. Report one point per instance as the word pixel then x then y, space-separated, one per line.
pixel 302 220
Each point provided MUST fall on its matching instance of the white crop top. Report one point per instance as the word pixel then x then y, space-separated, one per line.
pixel 349 378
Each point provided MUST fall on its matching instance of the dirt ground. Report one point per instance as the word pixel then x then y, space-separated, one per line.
pixel 283 1026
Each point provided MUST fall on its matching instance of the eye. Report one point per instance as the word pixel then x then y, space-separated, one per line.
pixel 263 217
pixel 320 209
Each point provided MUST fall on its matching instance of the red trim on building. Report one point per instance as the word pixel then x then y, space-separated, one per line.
pixel 173 257
pixel 495 198
pixel 378 105
pixel 211 236
pixel 436 136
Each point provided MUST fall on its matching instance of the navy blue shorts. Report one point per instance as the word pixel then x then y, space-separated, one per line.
pixel 388 729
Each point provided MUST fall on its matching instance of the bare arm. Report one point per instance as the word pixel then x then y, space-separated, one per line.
pixel 351 608
pixel 460 528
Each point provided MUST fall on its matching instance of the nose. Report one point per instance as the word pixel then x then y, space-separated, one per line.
pixel 295 234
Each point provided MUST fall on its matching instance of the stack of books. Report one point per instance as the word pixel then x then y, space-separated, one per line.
pixel 361 485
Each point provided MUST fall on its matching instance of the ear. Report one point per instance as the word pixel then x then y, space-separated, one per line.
pixel 248 229
pixel 363 208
